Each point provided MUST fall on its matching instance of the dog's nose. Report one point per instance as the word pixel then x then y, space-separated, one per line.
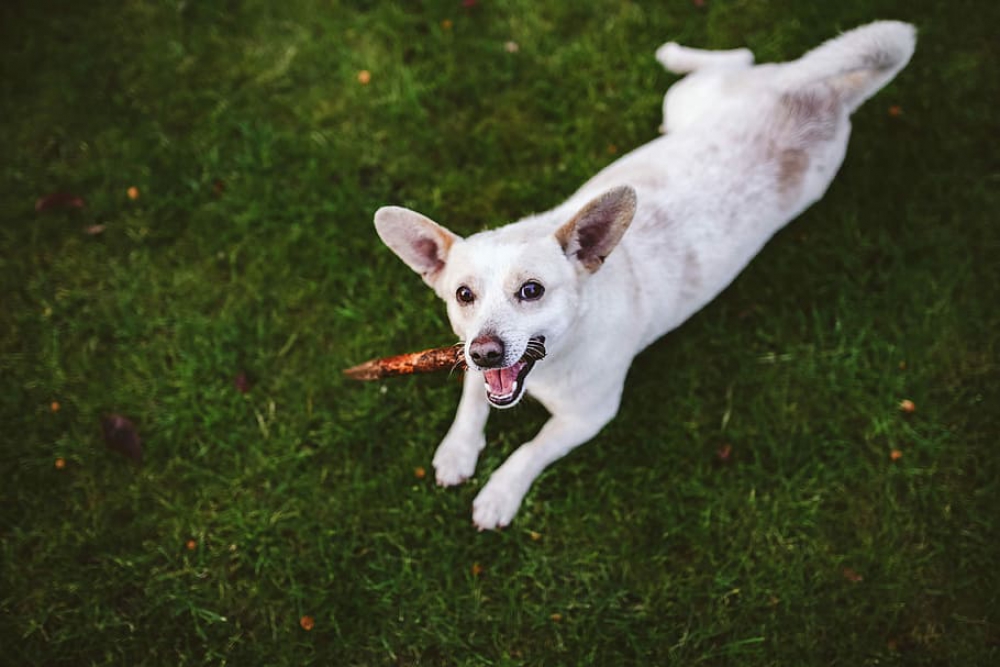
pixel 487 351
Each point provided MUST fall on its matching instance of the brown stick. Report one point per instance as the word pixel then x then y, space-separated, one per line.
pixel 425 361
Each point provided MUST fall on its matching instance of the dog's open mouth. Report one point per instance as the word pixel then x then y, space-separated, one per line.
pixel 504 386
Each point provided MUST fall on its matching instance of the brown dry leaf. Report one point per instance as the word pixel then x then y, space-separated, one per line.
pixel 121 436
pixel 242 382
pixel 852 576
pixel 59 200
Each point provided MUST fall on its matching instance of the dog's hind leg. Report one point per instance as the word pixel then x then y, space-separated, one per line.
pixel 682 59
pixel 856 64
pixel 688 99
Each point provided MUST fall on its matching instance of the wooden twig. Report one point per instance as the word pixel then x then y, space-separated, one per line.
pixel 425 361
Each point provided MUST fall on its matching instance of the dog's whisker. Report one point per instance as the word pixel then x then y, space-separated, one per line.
pixel 459 364
pixel 535 350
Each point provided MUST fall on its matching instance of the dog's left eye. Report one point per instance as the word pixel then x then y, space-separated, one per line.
pixel 530 291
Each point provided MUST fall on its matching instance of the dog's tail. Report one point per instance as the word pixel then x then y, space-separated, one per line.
pixel 857 63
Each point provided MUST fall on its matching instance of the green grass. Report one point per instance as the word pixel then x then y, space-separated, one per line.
pixel 260 159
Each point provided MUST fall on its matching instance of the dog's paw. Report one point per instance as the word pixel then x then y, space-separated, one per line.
pixel 495 506
pixel 454 464
pixel 669 55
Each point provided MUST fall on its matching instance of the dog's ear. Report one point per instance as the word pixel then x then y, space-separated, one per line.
pixel 419 241
pixel 595 231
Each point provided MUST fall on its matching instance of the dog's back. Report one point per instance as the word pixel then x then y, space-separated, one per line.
pixel 747 148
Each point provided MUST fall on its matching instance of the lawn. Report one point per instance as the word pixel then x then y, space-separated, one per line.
pixel 186 242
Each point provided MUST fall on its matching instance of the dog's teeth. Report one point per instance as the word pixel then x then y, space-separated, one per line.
pixel 502 397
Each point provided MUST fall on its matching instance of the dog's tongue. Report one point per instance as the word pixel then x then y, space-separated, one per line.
pixel 501 380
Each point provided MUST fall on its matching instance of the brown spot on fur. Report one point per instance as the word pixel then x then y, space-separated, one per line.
pixel 792 166
pixel 690 274
pixel 803 119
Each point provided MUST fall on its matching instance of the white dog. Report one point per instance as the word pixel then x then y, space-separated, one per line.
pixel 639 248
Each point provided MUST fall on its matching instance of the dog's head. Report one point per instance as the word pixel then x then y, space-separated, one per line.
pixel 513 292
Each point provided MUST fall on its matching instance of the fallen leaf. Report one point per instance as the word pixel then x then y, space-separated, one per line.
pixel 58 200
pixel 535 536
pixel 242 382
pixel 852 576
pixel 121 436
pixel 307 623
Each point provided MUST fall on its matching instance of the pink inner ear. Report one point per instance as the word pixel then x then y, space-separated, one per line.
pixel 591 231
pixel 594 232
pixel 428 250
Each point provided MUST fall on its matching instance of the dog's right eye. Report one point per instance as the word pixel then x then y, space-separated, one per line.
pixel 465 295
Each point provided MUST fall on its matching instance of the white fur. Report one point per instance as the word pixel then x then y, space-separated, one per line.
pixel 746 150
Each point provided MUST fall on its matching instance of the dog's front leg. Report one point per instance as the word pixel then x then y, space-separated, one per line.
pixel 500 499
pixel 455 458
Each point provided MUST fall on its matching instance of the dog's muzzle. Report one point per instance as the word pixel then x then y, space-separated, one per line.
pixel 504 386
